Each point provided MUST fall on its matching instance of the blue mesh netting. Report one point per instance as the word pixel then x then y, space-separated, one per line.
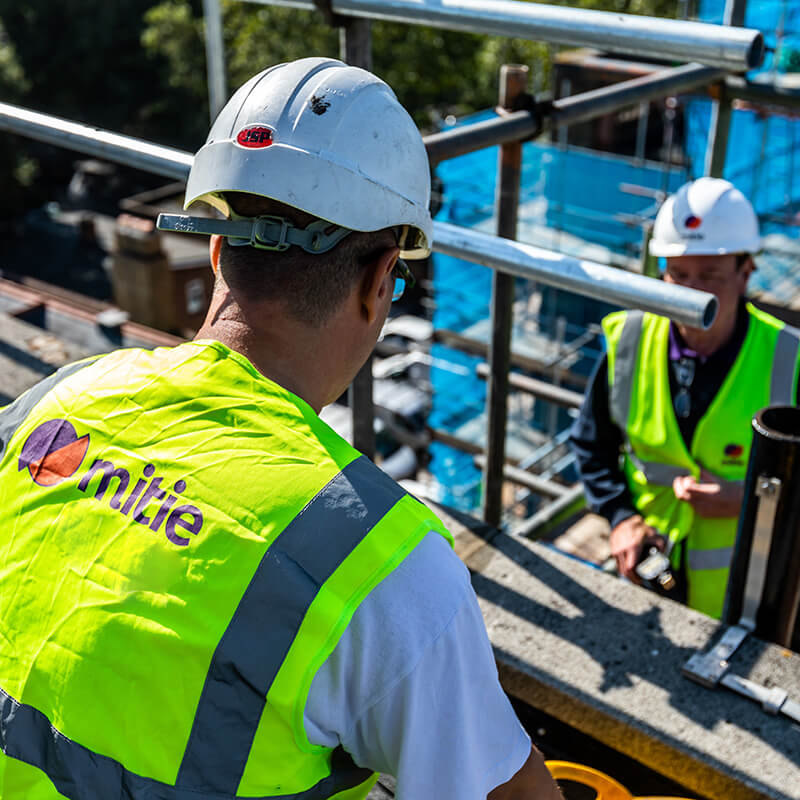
pixel 760 157
pixel 580 192
pixel 778 20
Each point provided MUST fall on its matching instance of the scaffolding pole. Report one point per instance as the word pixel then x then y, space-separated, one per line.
pixel 215 57
pixel 355 42
pixel 720 126
pixel 522 125
pixel 587 278
pixel 513 83
pixel 166 161
pixel 734 49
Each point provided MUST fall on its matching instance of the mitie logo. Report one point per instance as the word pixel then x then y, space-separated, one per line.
pixel 54 452
pixel 733 454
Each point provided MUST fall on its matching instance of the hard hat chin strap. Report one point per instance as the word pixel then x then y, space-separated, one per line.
pixel 264 233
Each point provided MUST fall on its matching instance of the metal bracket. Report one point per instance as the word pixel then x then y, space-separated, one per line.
pixel 708 668
pixel 768 491
pixel 711 668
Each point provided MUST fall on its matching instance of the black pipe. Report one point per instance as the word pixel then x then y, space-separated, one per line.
pixel 775 453
pixel 606 99
pixel 742 89
pixel 520 125
pixel 514 127
pixel 513 81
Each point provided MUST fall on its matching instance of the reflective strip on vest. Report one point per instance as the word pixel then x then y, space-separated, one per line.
pixel 782 386
pixel 719 558
pixel 254 646
pixel 13 415
pixel 624 368
pixel 660 474
pixel 27 735
pixel 244 665
pixel 656 473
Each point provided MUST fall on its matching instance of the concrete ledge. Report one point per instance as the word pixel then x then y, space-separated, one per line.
pixel 605 656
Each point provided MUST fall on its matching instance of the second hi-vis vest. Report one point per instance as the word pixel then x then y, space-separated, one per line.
pixel 182 544
pixel 764 373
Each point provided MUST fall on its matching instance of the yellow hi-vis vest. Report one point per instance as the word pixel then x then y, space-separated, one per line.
pixel 764 373
pixel 182 545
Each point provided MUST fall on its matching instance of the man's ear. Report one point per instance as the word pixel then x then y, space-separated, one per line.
pixel 214 248
pixel 377 283
pixel 745 271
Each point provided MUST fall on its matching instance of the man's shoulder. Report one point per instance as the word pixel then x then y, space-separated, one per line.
pixel 400 621
pixel 411 608
pixel 761 317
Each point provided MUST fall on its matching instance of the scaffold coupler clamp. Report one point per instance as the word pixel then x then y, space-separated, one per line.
pixel 525 101
pixel 331 17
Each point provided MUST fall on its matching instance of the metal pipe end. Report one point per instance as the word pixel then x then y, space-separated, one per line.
pixel 778 423
pixel 755 53
pixel 710 313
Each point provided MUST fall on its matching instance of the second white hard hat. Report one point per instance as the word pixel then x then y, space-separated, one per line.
pixel 708 216
pixel 323 137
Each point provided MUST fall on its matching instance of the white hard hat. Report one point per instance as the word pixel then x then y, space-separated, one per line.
pixel 709 216
pixel 323 137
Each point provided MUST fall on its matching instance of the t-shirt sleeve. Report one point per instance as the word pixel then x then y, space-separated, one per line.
pixel 412 687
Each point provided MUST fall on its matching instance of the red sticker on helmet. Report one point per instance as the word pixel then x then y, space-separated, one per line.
pixel 693 222
pixel 255 136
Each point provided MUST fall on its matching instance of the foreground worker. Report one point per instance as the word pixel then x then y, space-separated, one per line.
pixel 677 402
pixel 206 592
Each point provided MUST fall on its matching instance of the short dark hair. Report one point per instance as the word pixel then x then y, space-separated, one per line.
pixel 742 259
pixel 311 287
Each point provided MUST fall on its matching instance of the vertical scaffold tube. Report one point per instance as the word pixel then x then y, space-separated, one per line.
pixel 513 82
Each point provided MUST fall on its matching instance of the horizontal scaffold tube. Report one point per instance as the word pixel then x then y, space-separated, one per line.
pixel 734 86
pixel 618 286
pixel 595 103
pixel 95 142
pixel 614 285
pixel 569 110
pixel 731 48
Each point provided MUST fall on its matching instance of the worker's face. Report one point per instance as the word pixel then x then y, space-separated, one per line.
pixel 717 275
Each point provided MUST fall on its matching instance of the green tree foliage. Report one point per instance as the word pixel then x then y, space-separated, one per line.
pixel 82 60
pixel 432 71
pixel 138 67
pixel 21 170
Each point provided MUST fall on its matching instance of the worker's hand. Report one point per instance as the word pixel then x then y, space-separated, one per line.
pixel 628 540
pixel 711 496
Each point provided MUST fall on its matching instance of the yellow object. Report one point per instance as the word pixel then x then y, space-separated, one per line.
pixel 605 786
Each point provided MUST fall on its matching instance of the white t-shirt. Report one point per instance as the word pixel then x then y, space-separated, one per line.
pixel 412 689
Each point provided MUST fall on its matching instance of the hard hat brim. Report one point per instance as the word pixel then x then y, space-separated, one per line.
pixel 677 249
pixel 286 174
